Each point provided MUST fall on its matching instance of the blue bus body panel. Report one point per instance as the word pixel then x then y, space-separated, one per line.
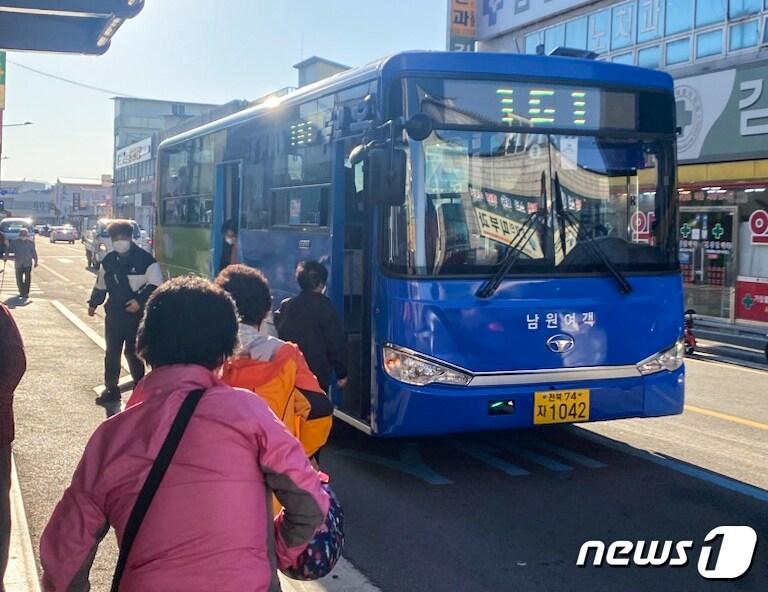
pixel 443 319
pixel 507 332
pixel 405 410
pixel 277 252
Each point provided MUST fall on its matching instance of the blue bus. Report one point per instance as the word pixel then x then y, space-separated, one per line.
pixel 500 232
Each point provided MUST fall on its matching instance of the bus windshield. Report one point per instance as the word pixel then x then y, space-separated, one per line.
pixel 472 192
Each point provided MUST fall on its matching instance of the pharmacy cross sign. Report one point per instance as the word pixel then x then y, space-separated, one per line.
pixel 685 230
pixel 748 301
pixel 718 231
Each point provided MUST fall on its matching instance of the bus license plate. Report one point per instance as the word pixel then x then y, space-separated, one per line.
pixel 561 406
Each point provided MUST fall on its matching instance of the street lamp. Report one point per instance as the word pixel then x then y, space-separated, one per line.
pixel 18 124
pixel 3 126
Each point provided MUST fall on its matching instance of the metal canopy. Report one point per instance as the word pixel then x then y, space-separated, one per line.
pixel 66 26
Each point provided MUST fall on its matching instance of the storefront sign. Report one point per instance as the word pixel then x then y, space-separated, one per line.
pixel 138 152
pixel 758 227
pixel 461 25
pixel 752 299
pixel 499 16
pixel 723 115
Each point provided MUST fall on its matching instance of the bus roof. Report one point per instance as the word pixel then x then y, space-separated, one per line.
pixel 419 63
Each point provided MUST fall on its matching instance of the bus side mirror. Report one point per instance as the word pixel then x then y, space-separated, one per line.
pixel 384 173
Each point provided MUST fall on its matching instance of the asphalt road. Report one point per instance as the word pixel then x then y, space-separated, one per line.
pixel 479 512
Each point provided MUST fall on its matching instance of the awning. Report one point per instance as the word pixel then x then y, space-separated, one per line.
pixel 67 26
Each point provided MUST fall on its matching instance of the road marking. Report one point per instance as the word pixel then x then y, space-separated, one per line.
pixel 56 273
pixel 522 450
pixel 732 418
pixel 64 260
pixel 487 455
pixel 675 465
pixel 574 457
pixel 21 574
pixel 90 333
pixel 410 462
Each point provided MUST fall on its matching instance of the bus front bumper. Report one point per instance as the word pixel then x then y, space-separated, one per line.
pixel 407 410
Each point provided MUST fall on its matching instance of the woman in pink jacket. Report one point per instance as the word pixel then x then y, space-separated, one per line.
pixel 210 524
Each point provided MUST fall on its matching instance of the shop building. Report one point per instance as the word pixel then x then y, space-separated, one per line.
pixel 716 51
pixel 81 202
pixel 28 199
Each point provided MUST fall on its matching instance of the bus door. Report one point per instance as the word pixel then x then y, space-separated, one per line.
pixel 354 401
pixel 226 207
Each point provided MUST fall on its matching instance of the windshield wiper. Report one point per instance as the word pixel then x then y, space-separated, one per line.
pixel 514 248
pixel 593 247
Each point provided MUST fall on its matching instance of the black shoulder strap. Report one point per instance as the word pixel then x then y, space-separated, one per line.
pixel 156 474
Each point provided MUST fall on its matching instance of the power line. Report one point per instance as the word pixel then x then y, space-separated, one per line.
pixel 68 81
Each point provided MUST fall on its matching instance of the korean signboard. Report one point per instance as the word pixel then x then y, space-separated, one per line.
pixel 723 115
pixel 758 227
pixel 498 16
pixel 461 25
pixel 752 299
pixel 138 152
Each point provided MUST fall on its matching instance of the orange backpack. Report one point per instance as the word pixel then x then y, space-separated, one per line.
pixel 278 382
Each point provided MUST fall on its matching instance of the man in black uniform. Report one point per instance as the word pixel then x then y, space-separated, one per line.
pixel 128 275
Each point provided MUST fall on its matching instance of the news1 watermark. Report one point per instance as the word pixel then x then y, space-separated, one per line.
pixel 726 553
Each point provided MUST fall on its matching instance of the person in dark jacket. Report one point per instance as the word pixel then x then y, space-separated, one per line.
pixel 25 255
pixel 12 368
pixel 128 275
pixel 310 321
pixel 229 246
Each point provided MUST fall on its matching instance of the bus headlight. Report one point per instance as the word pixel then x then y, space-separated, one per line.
pixel 411 369
pixel 670 359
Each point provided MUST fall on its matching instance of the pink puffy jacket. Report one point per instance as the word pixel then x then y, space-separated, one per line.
pixel 210 525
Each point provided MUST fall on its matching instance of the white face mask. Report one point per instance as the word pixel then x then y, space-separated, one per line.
pixel 230 240
pixel 122 246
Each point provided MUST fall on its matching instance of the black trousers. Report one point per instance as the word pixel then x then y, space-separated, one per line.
pixel 24 279
pixel 120 333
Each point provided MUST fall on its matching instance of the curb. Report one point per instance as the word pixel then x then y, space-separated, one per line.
pixel 21 574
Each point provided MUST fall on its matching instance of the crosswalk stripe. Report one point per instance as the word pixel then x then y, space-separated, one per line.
pixel 525 452
pixel 575 457
pixel 486 455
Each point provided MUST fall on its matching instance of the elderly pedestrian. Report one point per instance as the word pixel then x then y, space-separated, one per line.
pixel 209 525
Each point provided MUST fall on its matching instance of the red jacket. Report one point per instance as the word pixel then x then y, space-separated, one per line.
pixel 13 364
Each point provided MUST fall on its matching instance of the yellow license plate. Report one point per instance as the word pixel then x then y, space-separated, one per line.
pixel 561 406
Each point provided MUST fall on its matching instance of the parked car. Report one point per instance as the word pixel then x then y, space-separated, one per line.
pixel 65 233
pixel 10 227
pixel 97 242
pixel 43 229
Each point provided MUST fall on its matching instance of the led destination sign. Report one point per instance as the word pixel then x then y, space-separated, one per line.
pixel 526 104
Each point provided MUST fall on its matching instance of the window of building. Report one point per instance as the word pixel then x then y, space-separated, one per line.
pixel 678 52
pixel 178 108
pixel 624 58
pixel 533 41
pixel 743 35
pixel 709 12
pixel 599 31
pixel 709 44
pixel 554 37
pixel 623 25
pixel 650 20
pixel 649 57
pixel 679 16
pixel 576 33
pixel 738 8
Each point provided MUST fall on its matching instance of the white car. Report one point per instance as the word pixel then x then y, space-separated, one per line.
pixel 97 242
pixel 65 233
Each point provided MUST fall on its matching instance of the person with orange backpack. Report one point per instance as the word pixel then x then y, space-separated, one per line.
pixel 272 368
